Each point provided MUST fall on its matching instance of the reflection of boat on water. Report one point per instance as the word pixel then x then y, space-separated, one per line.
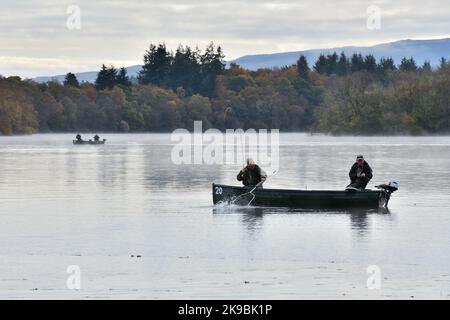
pixel 367 199
pixel 261 211
pixel 253 217
pixel 89 142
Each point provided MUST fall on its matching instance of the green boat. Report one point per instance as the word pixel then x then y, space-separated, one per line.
pixel 304 199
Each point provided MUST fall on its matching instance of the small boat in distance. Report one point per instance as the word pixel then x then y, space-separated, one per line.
pixel 89 142
pixel 303 199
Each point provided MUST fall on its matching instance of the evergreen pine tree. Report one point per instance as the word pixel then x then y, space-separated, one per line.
pixel 106 78
pixel 426 67
pixel 343 65
pixel 303 68
pixel 71 80
pixel 101 81
pixel 156 68
pixel 370 63
pixel 386 64
pixel 111 77
pixel 442 63
pixel 357 62
pixel 122 78
pixel 185 70
pixel 408 64
pixel 321 65
pixel 332 63
pixel 212 65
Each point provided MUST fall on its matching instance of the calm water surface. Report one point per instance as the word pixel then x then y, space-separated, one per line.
pixel 99 207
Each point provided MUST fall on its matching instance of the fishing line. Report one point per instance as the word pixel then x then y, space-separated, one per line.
pixel 242 139
pixel 233 200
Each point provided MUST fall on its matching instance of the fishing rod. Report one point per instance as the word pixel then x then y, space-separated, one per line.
pixel 251 191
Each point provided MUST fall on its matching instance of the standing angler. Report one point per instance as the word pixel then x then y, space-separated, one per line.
pixel 360 174
pixel 252 174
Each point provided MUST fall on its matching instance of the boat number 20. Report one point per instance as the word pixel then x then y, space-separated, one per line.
pixel 218 190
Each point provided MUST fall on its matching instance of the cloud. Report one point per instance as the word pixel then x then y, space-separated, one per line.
pixel 121 30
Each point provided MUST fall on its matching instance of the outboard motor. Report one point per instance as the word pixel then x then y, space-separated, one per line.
pixel 389 189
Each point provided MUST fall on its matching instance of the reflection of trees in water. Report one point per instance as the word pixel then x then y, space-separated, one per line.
pixel 150 166
pixel 310 167
pixel 116 168
pixel 162 173
pixel 186 177
pixel 112 169
pixel 85 163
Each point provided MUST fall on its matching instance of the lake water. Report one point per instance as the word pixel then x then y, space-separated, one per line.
pixel 139 226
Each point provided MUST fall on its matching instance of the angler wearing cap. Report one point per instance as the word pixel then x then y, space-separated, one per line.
pixel 360 174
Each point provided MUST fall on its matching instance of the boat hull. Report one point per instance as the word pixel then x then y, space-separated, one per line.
pixel 368 199
pixel 83 142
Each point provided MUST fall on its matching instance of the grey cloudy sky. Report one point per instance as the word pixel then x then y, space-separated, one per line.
pixel 34 38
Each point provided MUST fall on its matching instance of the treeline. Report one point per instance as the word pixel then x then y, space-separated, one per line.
pixel 192 70
pixel 338 94
pixel 342 65
pixel 364 96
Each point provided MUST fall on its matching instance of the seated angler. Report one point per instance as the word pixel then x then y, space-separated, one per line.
pixel 360 174
pixel 252 174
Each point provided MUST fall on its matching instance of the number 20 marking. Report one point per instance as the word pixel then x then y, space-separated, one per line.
pixel 218 190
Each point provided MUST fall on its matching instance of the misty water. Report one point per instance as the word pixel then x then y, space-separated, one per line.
pixel 139 226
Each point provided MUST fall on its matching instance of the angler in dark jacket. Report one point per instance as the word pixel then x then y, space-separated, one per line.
pixel 252 174
pixel 360 174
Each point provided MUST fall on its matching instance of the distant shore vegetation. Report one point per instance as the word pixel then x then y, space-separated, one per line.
pixel 336 95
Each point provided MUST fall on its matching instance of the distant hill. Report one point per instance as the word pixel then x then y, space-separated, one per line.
pixel 420 50
pixel 89 76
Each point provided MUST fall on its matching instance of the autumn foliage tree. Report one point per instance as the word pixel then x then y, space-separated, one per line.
pixel 339 95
